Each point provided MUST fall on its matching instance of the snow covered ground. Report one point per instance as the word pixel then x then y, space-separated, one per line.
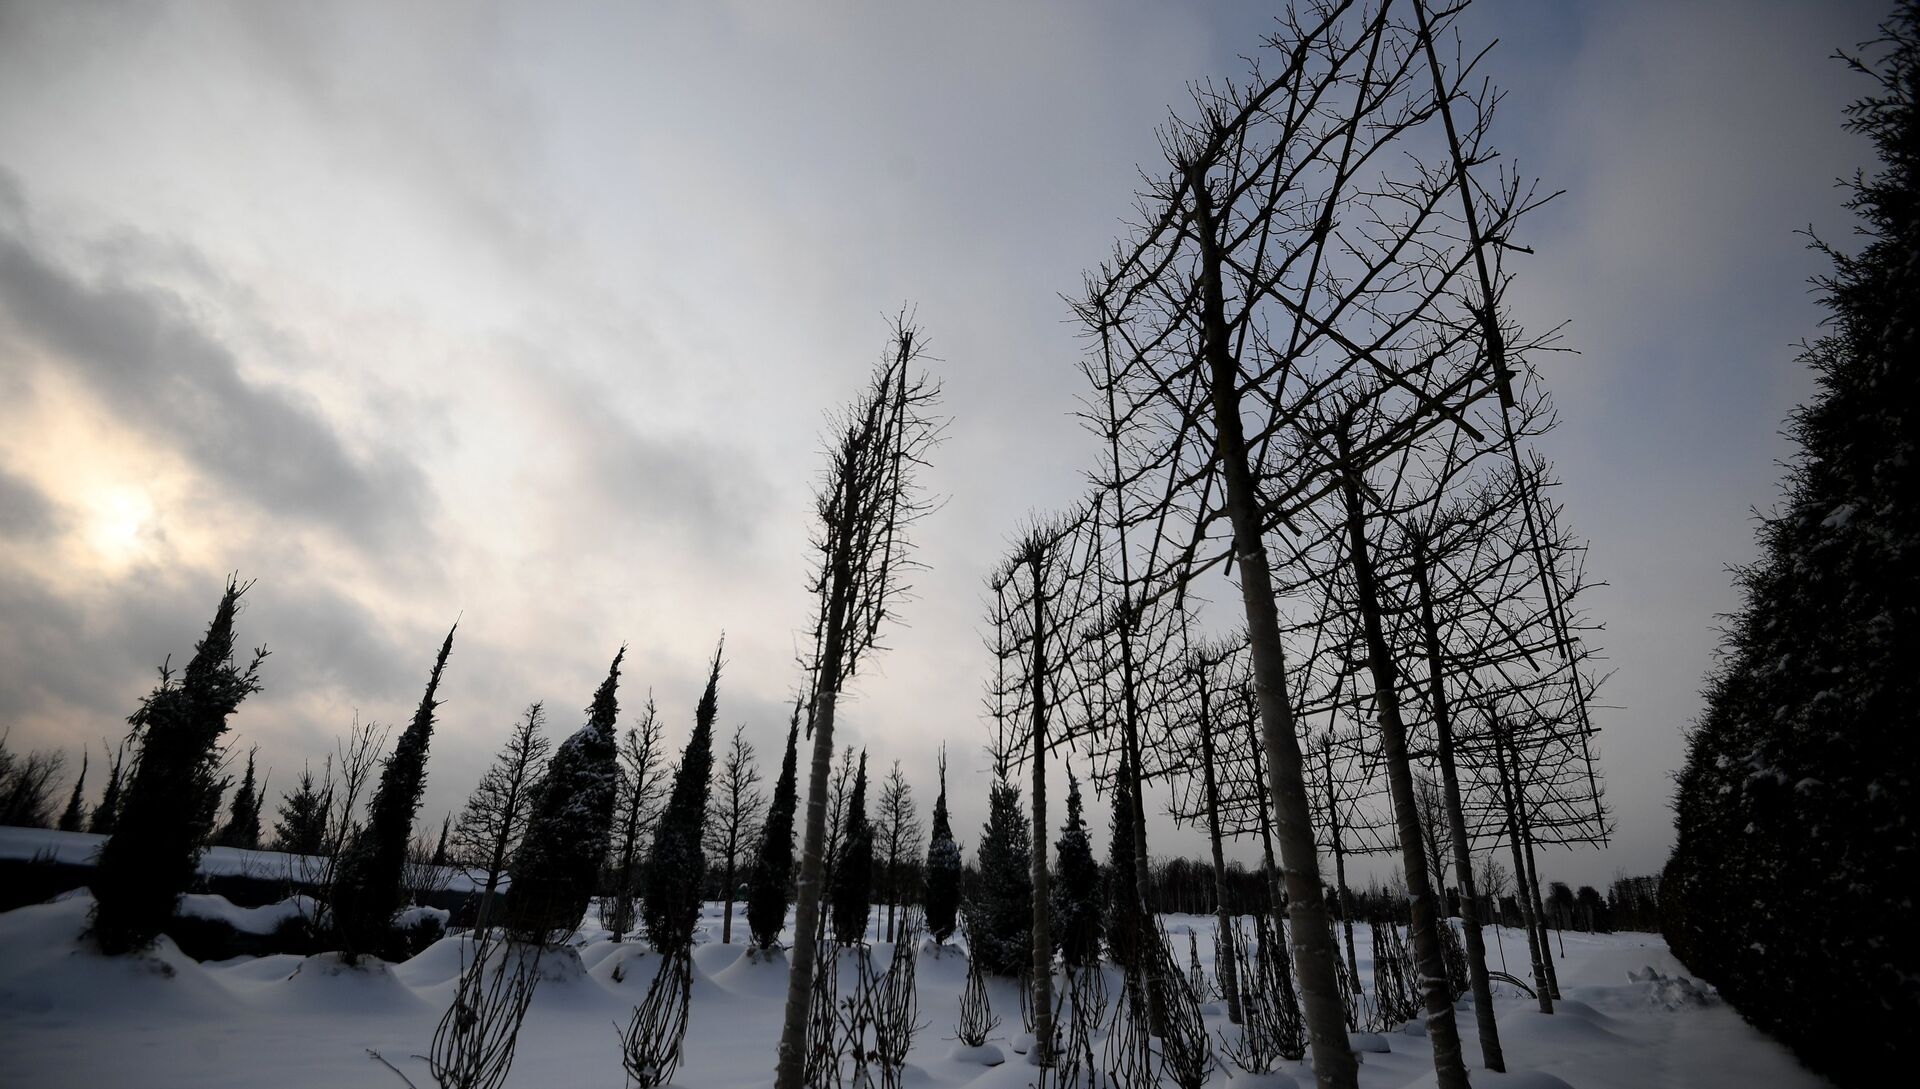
pixel 69 1017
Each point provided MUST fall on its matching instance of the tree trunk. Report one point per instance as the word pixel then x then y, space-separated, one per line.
pixel 1448 1062
pixel 1333 1062
pixel 1042 933
pixel 1340 872
pixel 1490 1053
pixel 726 923
pixel 1223 964
pixel 1523 892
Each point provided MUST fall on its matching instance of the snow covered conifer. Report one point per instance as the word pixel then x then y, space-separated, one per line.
pixel 852 890
pixel 1123 923
pixel 1000 913
pixel 558 862
pixel 942 899
pixel 301 828
pixel 677 868
pixel 168 807
pixel 767 896
pixel 1076 894
pixel 367 887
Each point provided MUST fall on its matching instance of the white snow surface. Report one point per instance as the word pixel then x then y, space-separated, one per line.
pixel 71 1017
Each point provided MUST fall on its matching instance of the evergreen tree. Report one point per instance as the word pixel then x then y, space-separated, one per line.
pixel 852 891
pixel 302 825
pixel 75 814
pixel 942 900
pixel 367 887
pixel 1076 894
pixel 242 829
pixel 558 862
pixel 767 895
pixel 494 820
pixel 105 813
pixel 168 807
pixel 1000 912
pixel 1123 928
pixel 1800 776
pixel 677 868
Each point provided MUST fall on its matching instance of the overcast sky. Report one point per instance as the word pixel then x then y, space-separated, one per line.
pixel 529 315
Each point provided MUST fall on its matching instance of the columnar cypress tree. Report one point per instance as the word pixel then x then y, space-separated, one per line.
pixel 366 890
pixel 1123 928
pixel 558 862
pixel 852 891
pixel 942 901
pixel 76 812
pixel 768 896
pixel 168 807
pixel 677 867
pixel 108 810
pixel 1076 894
pixel 242 829
pixel 1797 832
pixel 1000 913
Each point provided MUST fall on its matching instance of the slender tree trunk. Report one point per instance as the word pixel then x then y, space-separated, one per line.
pixel 1533 875
pixel 1340 870
pixel 790 1070
pixel 1490 1052
pixel 726 924
pixel 1042 933
pixel 1223 960
pixel 1524 892
pixel 1275 892
pixel 1448 1062
pixel 1314 957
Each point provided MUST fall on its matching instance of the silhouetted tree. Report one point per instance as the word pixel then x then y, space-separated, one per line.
pixel 852 892
pixel 942 898
pixel 558 862
pixel 75 814
pixel 108 810
pixel 677 868
pixel 301 828
pixel 732 823
pixel 1077 895
pixel 242 829
pixel 896 830
pixel 1000 911
pixel 642 767
pixel 366 888
pixel 168 808
pixel 494 820
pixel 768 896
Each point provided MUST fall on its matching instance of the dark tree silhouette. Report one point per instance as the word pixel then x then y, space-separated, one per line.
pixel 367 886
pixel 494 819
pixel 768 897
pixel 558 862
pixel 941 900
pixel 243 817
pixel 642 767
pixel 106 813
pixel 168 807
pixel 677 867
pixel 734 817
pixel 75 814
pixel 1000 911
pixel 1078 898
pixel 852 892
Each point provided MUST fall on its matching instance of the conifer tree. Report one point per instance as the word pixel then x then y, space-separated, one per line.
pixel 168 807
pixel 367 887
pixel 942 899
pixel 242 829
pixel 636 808
pixel 1000 913
pixel 494 820
pixel 1123 930
pixel 677 867
pixel 76 812
pixel 104 814
pixel 733 819
pixel 852 890
pixel 767 896
pixel 1800 776
pixel 558 862
pixel 301 828
pixel 1076 893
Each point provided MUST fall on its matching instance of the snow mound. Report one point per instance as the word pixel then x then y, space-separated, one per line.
pixel 49 970
pixel 1371 1042
pixel 1673 992
pixel 253 920
pixel 415 915
pixel 326 984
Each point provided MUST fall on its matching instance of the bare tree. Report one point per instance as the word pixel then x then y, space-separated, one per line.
pixel 866 504
pixel 898 834
pixel 495 816
pixel 643 787
pixel 733 818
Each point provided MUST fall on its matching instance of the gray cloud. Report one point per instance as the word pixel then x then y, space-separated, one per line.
pixel 26 513
pixel 142 353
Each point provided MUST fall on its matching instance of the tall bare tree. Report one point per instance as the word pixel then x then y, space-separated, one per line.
pixel 733 818
pixel 866 505
pixel 495 816
pixel 896 835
